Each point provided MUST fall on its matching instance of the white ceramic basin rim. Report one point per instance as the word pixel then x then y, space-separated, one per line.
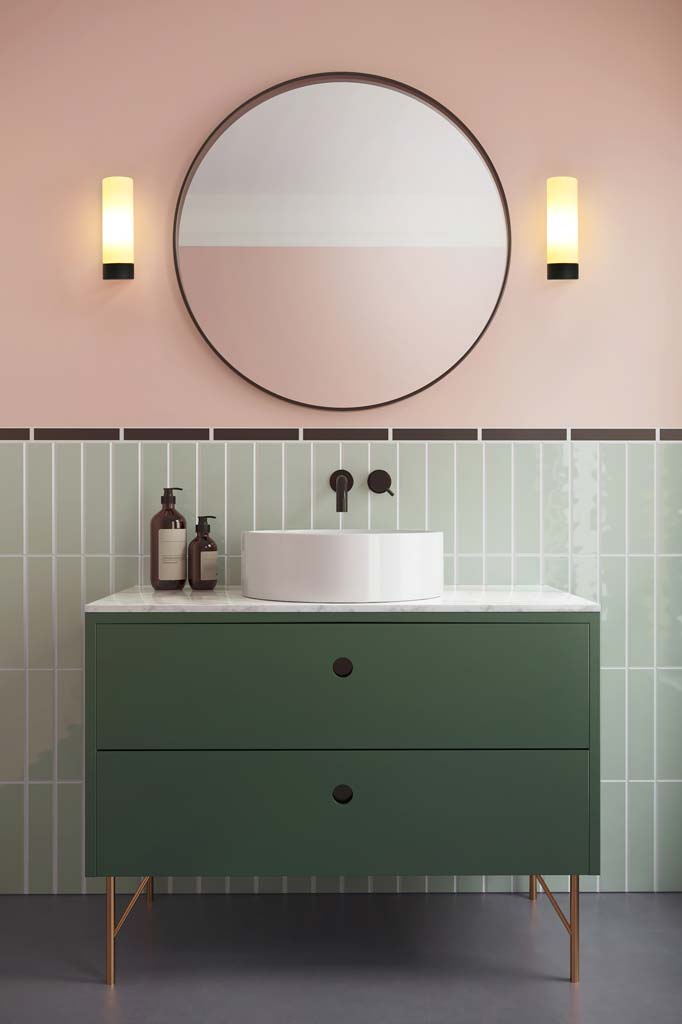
pixel 342 566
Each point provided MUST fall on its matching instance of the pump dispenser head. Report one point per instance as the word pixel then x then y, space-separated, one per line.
pixel 168 498
pixel 203 524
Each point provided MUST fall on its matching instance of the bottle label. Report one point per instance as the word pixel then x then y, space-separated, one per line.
pixel 208 565
pixel 172 548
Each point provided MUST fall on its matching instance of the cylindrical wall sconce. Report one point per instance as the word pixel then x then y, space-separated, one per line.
pixel 562 229
pixel 118 229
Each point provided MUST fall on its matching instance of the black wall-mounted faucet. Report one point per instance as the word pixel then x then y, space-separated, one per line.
pixel 341 482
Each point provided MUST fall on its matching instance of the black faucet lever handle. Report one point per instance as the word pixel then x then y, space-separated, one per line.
pixel 379 481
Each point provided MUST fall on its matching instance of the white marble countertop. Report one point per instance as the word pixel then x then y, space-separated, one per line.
pixel 454 599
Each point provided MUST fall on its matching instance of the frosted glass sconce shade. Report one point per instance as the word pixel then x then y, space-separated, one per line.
pixel 118 229
pixel 562 229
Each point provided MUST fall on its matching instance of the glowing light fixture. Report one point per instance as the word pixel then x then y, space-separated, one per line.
pixel 562 229
pixel 118 229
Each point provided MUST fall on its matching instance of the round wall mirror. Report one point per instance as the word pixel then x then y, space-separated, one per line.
pixel 342 241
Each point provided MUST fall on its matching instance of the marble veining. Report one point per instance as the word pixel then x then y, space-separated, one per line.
pixel 453 599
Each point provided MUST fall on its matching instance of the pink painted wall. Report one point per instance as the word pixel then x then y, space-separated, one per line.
pixel 90 89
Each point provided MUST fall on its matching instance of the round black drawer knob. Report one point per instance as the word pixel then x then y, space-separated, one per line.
pixel 342 794
pixel 343 667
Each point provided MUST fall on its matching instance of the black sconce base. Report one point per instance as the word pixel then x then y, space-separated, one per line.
pixel 118 271
pixel 562 272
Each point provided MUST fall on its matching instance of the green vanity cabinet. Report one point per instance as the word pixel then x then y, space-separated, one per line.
pixel 217 743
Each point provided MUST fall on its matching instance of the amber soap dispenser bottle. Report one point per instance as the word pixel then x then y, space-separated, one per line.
pixel 202 557
pixel 168 544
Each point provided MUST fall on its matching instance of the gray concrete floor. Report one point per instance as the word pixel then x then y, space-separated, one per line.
pixel 377 959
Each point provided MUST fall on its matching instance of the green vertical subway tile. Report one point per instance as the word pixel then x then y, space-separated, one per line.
pixel 270 884
pixel 383 507
pixel 670 499
pixel 440 883
pixel 498 570
pixel 213 884
pixel 385 883
pixel 69 836
pixel 40 726
pixel 356 883
pixel 413 883
pixel 11 838
pixel 11 506
pixel 40 838
pixel 242 885
pixel 612 498
pixel 641 612
pixel 69 613
pixel 498 498
pixel 39 498
pixel 183 473
pixel 12 718
pixel 669 724
pixel 557 883
pixel 355 458
pixel 589 883
pixel 669 837
pixel 185 883
pixel 97 573
pixel 441 498
pixel 67 498
pixel 669 611
pixel 97 886
pixel 327 884
pixel 613 724
pixel 612 598
pixel 641 498
pixel 239 495
pixel 469 570
pixel 126 573
pixel 96 459
pixel 11 613
pixel 555 572
pixel 527 570
pixel 586 577
pixel 125 497
pixel 640 837
pixel 268 486
pixel 613 838
pixel 154 470
pixel 234 572
pixel 411 492
pixel 499 883
pixel 40 628
pixel 326 459
pixel 469 498
pixel 470 883
pixel 70 726
pixel 211 501
pixel 527 498
pixel 449 571
pixel 555 498
pixel 584 469
pixel 297 469
pixel 641 724
pixel 298 884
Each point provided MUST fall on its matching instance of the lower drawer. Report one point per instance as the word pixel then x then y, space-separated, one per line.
pixel 274 812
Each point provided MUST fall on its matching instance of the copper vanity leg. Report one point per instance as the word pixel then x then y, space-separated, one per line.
pixel 533 888
pixel 575 928
pixel 150 889
pixel 111 924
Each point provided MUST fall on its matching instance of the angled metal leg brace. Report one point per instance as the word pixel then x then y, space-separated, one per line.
pixel 114 928
pixel 571 924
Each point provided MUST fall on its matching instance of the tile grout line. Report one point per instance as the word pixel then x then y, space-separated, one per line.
pixel 24 578
pixel 55 682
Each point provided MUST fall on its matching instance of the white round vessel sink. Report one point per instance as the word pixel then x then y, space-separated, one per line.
pixel 342 566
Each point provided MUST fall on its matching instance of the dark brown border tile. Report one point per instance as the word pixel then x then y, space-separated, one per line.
pixel 611 434
pixel 668 434
pixel 523 434
pixel 166 434
pixel 15 433
pixel 255 434
pixel 76 434
pixel 435 434
pixel 345 434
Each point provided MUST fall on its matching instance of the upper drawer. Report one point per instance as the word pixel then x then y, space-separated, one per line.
pixel 270 685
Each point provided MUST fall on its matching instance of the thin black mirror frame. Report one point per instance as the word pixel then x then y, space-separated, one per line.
pixel 316 79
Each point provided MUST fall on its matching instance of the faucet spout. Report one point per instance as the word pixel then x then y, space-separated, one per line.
pixel 341 482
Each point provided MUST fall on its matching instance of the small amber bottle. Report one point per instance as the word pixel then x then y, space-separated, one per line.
pixel 202 557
